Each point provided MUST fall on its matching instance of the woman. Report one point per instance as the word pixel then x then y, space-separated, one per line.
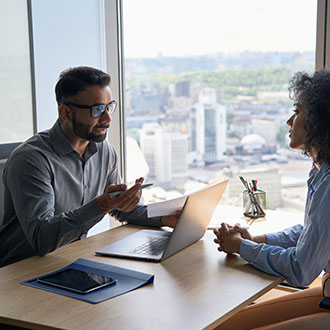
pixel 297 254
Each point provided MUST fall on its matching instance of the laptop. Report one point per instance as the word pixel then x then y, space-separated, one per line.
pixel 156 245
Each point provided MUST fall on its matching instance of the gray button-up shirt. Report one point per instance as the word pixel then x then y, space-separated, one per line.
pixel 50 193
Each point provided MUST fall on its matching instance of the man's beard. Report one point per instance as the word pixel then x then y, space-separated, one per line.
pixel 83 130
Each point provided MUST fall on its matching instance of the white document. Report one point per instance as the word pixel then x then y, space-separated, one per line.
pixel 169 207
pixel 166 208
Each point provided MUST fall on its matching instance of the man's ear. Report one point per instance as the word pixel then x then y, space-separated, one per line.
pixel 65 113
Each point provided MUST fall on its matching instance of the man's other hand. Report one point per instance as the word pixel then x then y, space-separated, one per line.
pixel 170 220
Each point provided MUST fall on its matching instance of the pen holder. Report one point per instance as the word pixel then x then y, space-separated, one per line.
pixel 254 204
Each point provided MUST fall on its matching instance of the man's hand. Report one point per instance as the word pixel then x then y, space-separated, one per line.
pixel 126 201
pixel 170 220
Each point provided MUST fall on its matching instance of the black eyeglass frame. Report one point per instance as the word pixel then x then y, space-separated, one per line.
pixel 96 111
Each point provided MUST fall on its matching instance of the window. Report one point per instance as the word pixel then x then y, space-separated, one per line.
pixel 15 82
pixel 206 94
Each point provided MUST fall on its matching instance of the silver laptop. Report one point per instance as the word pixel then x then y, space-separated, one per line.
pixel 156 245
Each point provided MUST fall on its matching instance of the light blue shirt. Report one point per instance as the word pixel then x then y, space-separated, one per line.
pixel 299 254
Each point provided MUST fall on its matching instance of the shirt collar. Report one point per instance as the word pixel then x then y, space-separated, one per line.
pixel 63 146
pixel 317 175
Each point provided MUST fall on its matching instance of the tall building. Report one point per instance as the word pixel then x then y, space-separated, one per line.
pixel 268 128
pixel 146 99
pixel 166 155
pixel 182 88
pixel 208 127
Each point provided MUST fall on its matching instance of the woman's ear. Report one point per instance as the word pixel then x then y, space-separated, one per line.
pixel 65 113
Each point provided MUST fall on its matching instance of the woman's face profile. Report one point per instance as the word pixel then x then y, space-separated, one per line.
pixel 296 123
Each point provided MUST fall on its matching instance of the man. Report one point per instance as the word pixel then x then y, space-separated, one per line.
pixel 58 183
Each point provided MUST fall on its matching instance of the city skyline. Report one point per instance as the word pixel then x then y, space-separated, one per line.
pixel 258 115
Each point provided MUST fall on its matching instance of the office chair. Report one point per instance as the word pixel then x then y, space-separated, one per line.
pixel 5 151
pixel 7 148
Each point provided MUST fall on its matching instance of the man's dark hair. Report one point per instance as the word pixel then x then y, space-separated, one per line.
pixel 313 92
pixel 74 80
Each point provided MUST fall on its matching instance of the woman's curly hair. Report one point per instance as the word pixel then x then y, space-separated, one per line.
pixel 313 93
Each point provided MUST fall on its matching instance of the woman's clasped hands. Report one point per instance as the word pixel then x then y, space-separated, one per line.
pixel 230 237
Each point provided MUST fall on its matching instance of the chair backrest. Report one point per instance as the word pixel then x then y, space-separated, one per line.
pixel 5 151
pixel 2 188
pixel 7 148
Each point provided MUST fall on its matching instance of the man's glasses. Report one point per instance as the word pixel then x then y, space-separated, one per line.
pixel 96 111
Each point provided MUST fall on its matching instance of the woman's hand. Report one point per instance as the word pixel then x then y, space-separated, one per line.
pixel 247 235
pixel 230 237
pixel 229 241
pixel 243 231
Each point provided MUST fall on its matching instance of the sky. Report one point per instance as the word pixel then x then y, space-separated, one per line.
pixel 191 27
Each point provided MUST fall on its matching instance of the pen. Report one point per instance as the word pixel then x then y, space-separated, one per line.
pixel 254 183
pixel 116 193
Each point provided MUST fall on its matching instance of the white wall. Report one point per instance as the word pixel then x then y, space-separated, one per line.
pixel 15 73
pixel 65 34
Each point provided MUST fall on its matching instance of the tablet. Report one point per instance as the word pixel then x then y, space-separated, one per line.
pixel 77 280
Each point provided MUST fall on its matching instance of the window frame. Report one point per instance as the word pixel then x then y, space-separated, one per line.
pixel 115 67
pixel 33 78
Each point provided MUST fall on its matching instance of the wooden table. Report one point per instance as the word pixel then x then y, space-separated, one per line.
pixel 196 288
pixel 272 222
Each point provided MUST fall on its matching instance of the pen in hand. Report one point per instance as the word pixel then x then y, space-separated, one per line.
pixel 117 193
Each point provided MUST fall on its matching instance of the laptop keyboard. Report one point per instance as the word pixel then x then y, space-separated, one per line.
pixel 153 247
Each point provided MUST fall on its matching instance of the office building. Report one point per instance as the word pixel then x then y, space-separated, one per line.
pixel 146 99
pixel 182 88
pixel 267 128
pixel 208 127
pixel 166 155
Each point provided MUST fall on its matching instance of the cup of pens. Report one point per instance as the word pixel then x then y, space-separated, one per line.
pixel 254 200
